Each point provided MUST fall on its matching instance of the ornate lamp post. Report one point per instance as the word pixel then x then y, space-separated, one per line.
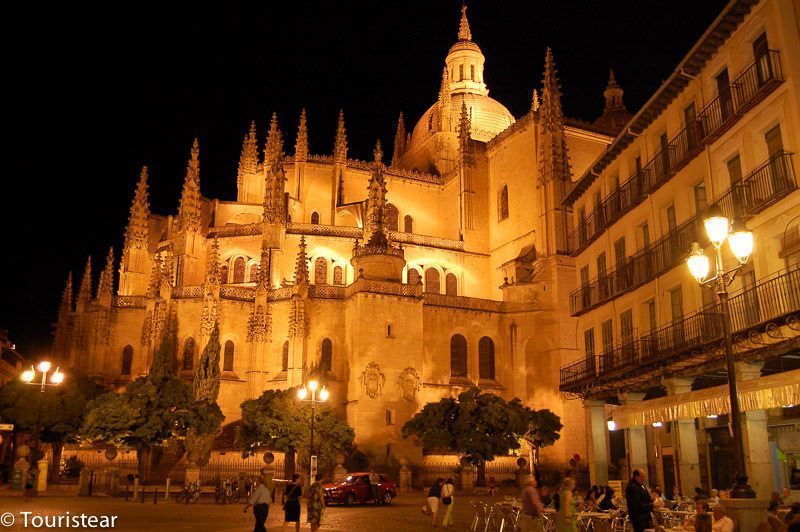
pixel 44 368
pixel 719 229
pixel 303 395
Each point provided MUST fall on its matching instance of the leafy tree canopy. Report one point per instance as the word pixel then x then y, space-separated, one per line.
pixel 478 425
pixel 151 411
pixel 58 412
pixel 278 421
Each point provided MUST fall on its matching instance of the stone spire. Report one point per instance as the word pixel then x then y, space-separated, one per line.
pixel 301 144
pixel 535 101
pixel 155 277
pixel 464 136
pixel 264 269
pixel 66 298
pixel 444 102
pixel 376 202
pixel 399 141
pixel 340 144
pixel 301 266
pixel 464 33
pixel 551 113
pixel 189 209
pixel 615 114
pixel 136 232
pixel 274 175
pixel 85 290
pixel 248 160
pixel 377 153
pixel 212 264
pixel 105 286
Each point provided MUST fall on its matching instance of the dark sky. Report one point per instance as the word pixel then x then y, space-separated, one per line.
pixel 95 93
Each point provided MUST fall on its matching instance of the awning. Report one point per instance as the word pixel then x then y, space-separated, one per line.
pixel 773 391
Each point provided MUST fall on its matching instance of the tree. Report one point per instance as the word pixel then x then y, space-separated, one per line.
pixel 543 430
pixel 151 412
pixel 278 421
pixel 165 360
pixel 54 416
pixel 205 388
pixel 480 426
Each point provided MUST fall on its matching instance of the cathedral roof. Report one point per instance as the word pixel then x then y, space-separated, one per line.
pixel 488 117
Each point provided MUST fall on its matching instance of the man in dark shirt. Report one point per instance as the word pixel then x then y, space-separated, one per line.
pixel 640 505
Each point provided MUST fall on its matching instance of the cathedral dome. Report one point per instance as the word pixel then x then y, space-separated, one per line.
pixel 488 117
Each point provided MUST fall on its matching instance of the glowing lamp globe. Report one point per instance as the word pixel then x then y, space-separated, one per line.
pixel 717 225
pixel 657 424
pixel 44 366
pixel 612 425
pixel 313 385
pixel 301 393
pixel 741 241
pixel 28 375
pixel 323 395
pixel 57 377
pixel 698 263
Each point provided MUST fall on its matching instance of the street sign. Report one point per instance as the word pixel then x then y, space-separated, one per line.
pixel 6 426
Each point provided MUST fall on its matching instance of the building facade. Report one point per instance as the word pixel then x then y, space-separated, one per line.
pixel 722 129
pixel 397 283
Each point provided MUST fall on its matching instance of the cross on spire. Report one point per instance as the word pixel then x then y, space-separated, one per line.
pixel 464 33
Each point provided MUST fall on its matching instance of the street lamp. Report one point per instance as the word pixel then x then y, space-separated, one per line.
pixel 44 366
pixel 740 240
pixel 321 397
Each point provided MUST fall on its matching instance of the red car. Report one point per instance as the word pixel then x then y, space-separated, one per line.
pixel 356 488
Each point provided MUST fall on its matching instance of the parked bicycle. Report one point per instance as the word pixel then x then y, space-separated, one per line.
pixel 189 494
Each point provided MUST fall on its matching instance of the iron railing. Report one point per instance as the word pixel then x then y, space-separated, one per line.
pixel 762 187
pixel 770 300
pixel 746 90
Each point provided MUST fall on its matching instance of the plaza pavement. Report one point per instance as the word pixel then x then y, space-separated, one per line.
pixel 403 515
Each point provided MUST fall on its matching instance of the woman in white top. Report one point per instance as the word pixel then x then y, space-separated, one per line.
pixel 448 500
pixel 722 523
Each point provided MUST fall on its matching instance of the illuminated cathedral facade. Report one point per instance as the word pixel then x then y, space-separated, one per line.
pixel 396 281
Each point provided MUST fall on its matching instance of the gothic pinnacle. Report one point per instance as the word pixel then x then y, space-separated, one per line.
pixel 535 102
pixel 189 208
pixel 301 266
pixel 444 102
pixel 274 146
pixel 377 153
pixel 399 141
pixel 340 144
pixel 138 223
pixel 248 160
pixel 66 296
pixel 105 285
pixel 301 144
pixel 85 290
pixel 464 33
pixel 551 94
pixel 212 263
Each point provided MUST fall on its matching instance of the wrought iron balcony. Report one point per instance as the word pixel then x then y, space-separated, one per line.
pixel 762 187
pixel 774 300
pixel 750 87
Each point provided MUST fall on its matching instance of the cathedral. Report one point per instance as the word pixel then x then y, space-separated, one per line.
pixel 396 281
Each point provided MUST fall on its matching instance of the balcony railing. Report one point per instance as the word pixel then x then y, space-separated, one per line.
pixel 765 185
pixel 770 300
pixel 750 87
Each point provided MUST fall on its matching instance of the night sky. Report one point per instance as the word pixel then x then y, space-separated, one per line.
pixel 95 93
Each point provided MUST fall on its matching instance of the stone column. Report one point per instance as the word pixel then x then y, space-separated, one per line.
pixel 756 439
pixel 42 479
pixel 685 437
pixel 405 476
pixel 636 441
pixel 598 445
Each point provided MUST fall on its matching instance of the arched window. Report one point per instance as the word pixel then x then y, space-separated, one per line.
pixel 392 216
pixel 408 223
pixel 223 273
pixel 315 217
pixel 502 204
pixel 451 284
pixel 285 356
pixel 326 360
pixel 432 281
pixel 486 358
pixel 458 356
pixel 338 276
pixel 127 360
pixel 413 276
pixel 188 353
pixel 238 270
pixel 227 357
pixel 320 271
pixel 253 272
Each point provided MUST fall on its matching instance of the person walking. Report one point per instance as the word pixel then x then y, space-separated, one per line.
pixel 259 501
pixel 640 505
pixel 565 521
pixel 374 486
pixel 448 500
pixel 316 502
pixel 434 493
pixel 532 507
pixel 291 508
